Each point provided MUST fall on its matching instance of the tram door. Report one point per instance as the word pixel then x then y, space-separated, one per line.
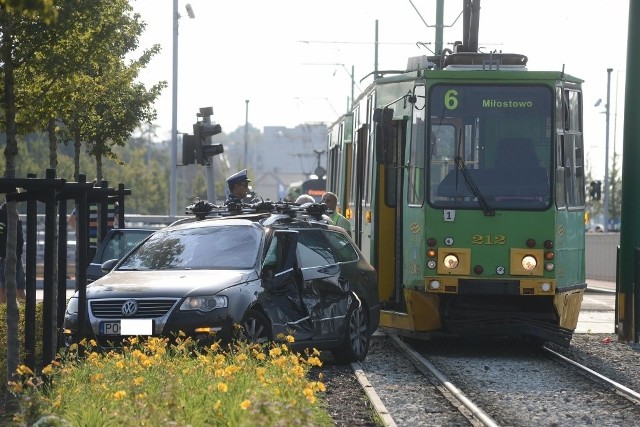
pixel 390 142
pixel 357 183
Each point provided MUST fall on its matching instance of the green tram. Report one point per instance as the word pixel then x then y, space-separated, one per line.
pixel 464 185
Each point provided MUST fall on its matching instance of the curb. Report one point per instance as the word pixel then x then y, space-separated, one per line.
pixel 373 397
pixel 597 290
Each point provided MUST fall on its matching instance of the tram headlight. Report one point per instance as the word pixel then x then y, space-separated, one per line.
pixel 451 261
pixel 529 262
pixel 549 266
pixel 435 285
pixel 431 264
pixel 546 287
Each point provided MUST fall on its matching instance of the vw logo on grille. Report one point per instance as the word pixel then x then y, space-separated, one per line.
pixel 130 307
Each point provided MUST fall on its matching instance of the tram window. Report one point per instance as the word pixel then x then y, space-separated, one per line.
pixel 417 154
pixel 560 183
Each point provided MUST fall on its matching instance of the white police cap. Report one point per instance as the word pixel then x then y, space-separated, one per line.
pixel 238 177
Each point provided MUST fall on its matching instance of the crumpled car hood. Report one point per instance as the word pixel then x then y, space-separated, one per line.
pixel 166 283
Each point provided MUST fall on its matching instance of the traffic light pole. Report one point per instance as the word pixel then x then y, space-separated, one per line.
pixel 211 180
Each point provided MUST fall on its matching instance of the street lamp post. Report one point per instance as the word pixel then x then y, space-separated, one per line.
pixel 606 153
pixel 246 133
pixel 173 198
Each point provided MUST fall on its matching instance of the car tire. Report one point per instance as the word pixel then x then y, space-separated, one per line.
pixel 356 341
pixel 256 327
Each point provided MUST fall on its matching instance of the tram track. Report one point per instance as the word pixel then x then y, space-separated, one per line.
pixel 489 390
pixel 624 391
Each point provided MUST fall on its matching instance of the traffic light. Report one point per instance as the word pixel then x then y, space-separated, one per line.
pixel 188 149
pixel 201 131
pixel 596 190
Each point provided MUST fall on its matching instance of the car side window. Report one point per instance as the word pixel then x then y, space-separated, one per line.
pixel 313 249
pixel 341 246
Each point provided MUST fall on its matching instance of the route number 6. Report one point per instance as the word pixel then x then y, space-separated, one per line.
pixel 451 100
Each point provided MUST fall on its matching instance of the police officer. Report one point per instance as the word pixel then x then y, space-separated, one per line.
pixel 238 184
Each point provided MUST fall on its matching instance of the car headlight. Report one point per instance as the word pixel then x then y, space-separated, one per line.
pixel 204 303
pixel 72 306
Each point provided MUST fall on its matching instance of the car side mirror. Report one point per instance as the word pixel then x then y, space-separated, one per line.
pixel 108 265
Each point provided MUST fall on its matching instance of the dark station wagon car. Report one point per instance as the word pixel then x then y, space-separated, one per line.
pixel 274 274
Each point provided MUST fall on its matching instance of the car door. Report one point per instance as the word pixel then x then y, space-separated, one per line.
pixel 325 293
pixel 283 283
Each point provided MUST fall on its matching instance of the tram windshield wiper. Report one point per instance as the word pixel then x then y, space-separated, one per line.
pixel 488 211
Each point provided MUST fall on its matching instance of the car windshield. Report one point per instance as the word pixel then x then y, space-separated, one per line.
pixel 200 248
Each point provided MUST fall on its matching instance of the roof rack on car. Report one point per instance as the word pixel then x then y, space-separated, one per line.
pixel 203 209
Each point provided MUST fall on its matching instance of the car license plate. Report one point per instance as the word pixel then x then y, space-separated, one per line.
pixel 127 327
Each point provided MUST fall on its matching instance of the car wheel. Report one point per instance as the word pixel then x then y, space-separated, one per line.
pixel 355 344
pixel 256 327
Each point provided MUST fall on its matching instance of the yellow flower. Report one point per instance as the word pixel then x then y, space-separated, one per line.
pixel 215 346
pixel 138 380
pixel 314 361
pixel 223 387
pixel 261 356
pixel 275 352
pixel 47 370
pixel 290 338
pixel 245 404
pixel 119 394
pixel 241 357
pixel 16 387
pixel 95 378
pixel 24 370
pixel 57 402
pixel 308 393
pixel 120 364
pixel 280 361
pixel 217 405
pixel 93 343
pixel 141 396
pixel 298 371
pixel 230 370
pixel 260 371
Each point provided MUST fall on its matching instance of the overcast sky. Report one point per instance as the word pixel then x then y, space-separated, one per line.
pixel 281 55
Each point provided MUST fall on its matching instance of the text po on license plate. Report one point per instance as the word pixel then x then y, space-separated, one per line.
pixel 127 327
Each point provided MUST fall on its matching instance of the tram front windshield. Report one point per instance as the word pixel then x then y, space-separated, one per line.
pixel 492 143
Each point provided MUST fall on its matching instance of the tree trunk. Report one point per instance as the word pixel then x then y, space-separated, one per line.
pixel 13 313
pixel 99 166
pixel 53 144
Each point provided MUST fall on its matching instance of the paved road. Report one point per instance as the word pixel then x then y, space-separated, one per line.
pixel 597 315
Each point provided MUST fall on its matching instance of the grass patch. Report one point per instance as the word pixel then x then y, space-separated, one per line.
pixel 3 339
pixel 158 382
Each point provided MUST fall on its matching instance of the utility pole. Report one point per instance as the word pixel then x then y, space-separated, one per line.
pixel 606 153
pixel 173 179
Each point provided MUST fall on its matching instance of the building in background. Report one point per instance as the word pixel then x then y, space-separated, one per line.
pixel 285 156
